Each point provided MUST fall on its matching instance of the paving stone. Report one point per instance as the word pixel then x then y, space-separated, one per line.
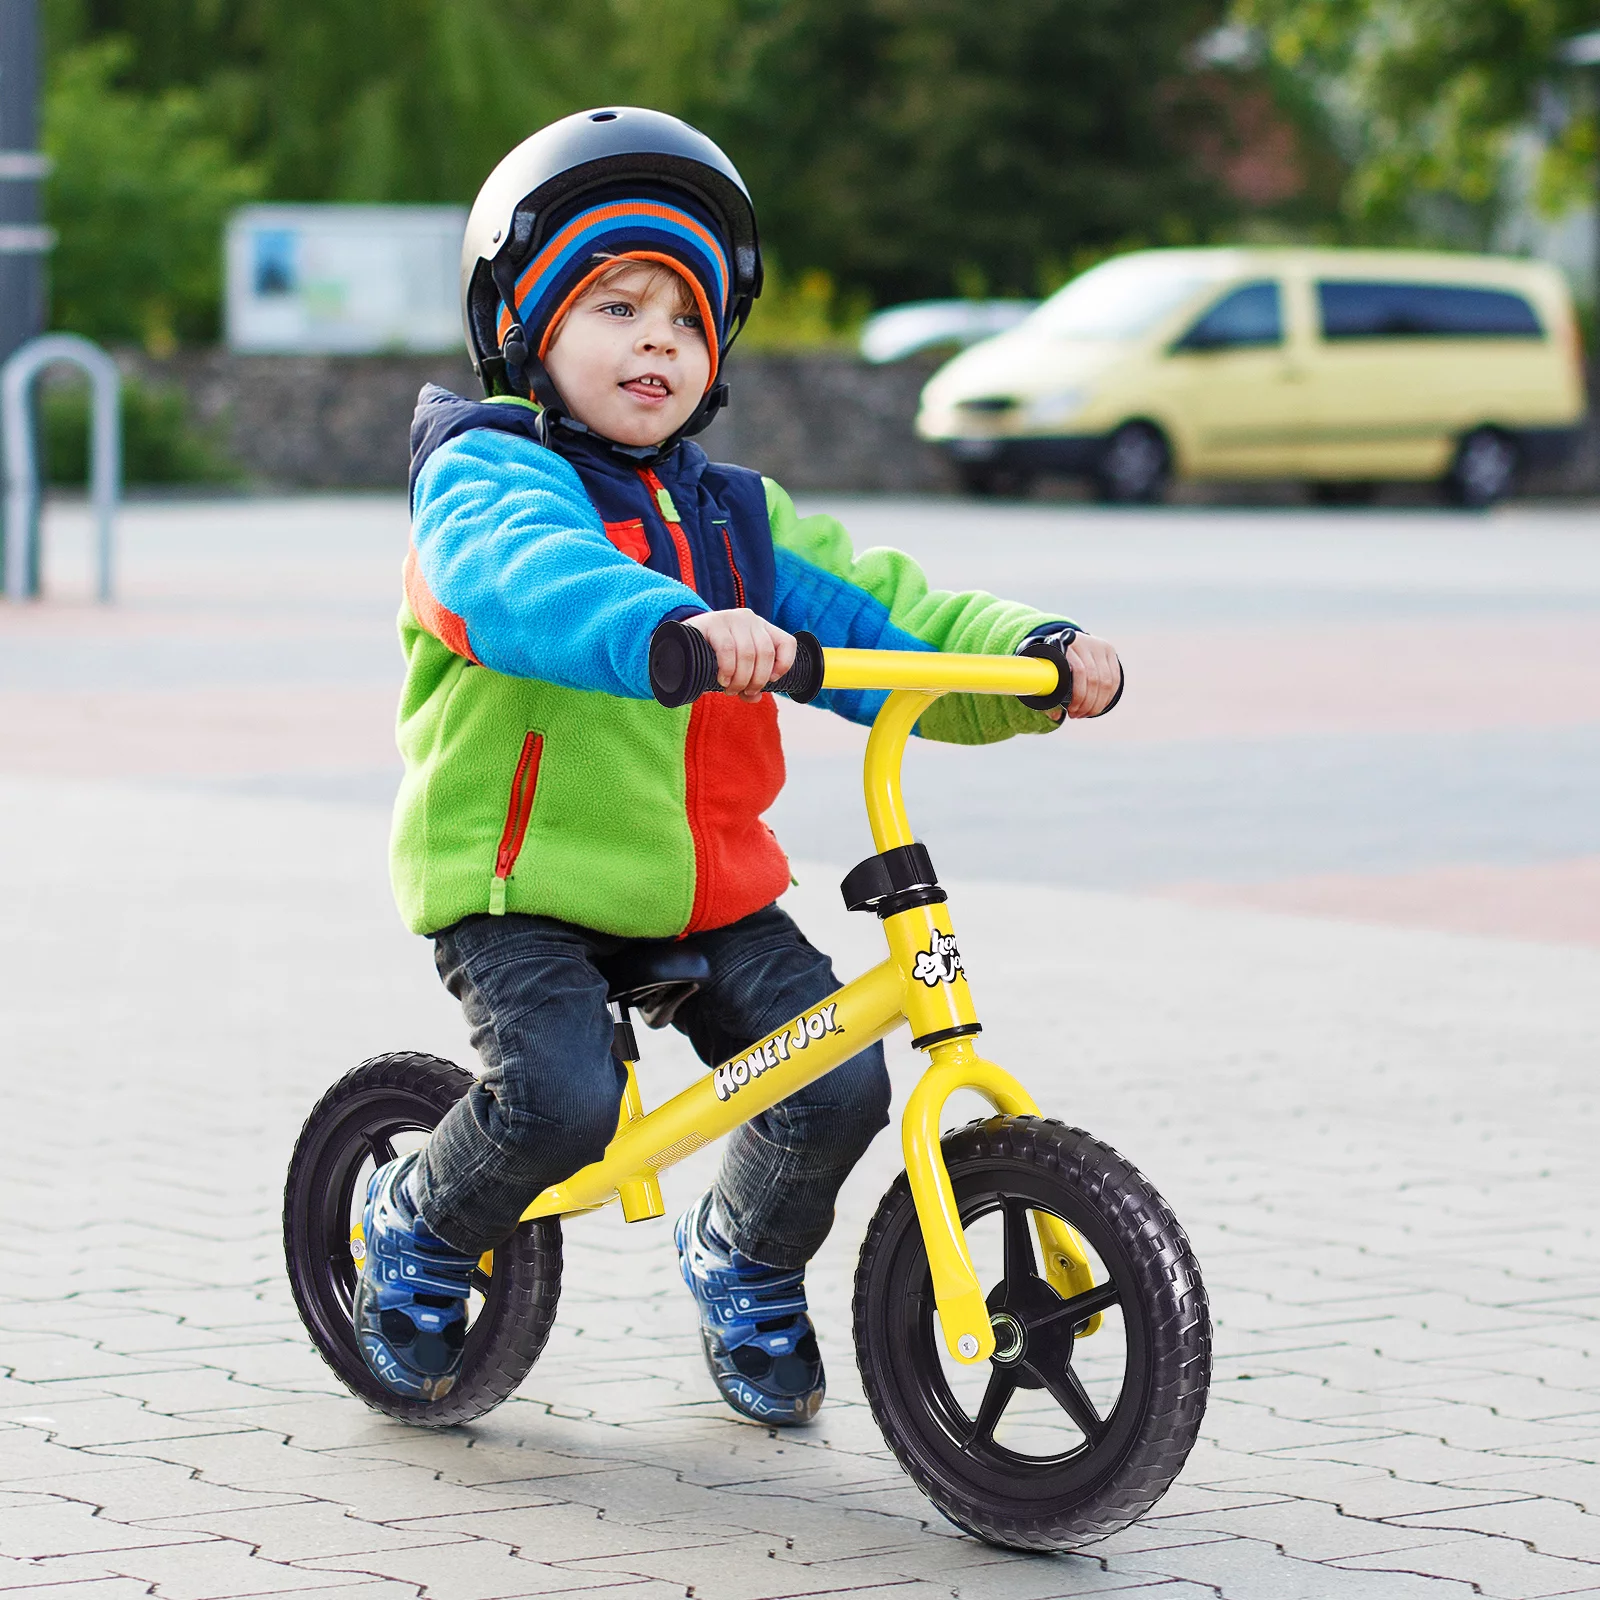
pixel 220 1569
pixel 54 1527
pixel 1499 1567
pixel 296 1530
pixel 150 1489
pixel 471 1569
pixel 1549 1527
pixel 83 1589
pixel 559 1532
pixel 1247 1570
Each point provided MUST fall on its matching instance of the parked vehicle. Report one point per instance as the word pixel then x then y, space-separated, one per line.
pixel 903 331
pixel 1344 368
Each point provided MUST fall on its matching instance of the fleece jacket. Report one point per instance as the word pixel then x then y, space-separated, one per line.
pixel 541 775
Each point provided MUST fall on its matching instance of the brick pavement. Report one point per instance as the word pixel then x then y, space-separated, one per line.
pixel 1379 1138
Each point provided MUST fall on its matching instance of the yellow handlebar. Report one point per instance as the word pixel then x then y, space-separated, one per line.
pixel 934 673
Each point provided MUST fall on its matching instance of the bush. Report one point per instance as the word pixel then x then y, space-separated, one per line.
pixel 159 443
pixel 139 195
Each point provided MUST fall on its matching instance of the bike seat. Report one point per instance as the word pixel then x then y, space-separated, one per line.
pixel 654 978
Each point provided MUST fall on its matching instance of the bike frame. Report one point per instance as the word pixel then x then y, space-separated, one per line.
pixel 921 983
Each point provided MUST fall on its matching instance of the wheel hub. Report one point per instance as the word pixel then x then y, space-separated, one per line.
pixel 1009 1338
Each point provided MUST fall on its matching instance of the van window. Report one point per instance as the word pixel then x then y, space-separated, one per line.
pixel 1352 310
pixel 1251 315
pixel 1119 299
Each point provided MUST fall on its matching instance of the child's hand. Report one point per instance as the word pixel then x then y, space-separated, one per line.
pixel 751 653
pixel 1096 677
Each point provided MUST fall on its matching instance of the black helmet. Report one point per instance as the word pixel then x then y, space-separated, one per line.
pixel 539 179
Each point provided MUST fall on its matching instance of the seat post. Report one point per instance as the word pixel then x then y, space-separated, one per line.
pixel 641 1198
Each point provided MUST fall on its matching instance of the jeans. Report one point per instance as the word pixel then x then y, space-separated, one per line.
pixel 547 1101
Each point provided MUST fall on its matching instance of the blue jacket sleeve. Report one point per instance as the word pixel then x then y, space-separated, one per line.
pixel 880 600
pixel 508 546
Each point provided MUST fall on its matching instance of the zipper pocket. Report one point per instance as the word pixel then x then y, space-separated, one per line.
pixel 630 538
pixel 518 809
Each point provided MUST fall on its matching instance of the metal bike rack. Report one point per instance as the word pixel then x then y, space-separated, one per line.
pixel 21 458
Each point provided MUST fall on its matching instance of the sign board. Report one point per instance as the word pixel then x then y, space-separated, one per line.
pixel 348 280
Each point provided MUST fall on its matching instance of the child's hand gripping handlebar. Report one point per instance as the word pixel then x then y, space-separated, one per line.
pixel 683 666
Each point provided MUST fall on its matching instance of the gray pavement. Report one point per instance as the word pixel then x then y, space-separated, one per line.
pixel 1378 1132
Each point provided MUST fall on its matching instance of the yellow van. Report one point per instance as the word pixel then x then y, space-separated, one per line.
pixel 1344 368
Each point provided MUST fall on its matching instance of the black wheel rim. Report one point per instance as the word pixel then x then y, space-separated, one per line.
pixel 1037 1348
pixel 362 1135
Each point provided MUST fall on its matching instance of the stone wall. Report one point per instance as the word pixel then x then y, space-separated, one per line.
pixel 816 421
pixel 821 421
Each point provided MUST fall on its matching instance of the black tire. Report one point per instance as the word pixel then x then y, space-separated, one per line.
pixel 1135 466
pixel 351 1128
pixel 989 482
pixel 1485 470
pixel 1344 492
pixel 1118 1464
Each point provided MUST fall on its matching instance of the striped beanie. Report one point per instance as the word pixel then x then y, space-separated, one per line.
pixel 591 234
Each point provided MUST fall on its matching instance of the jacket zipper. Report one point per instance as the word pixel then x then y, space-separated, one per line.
pixel 733 566
pixel 669 515
pixel 518 809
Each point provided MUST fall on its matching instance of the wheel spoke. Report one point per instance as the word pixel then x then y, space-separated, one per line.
pixel 1081 1306
pixel 1020 1264
pixel 1001 1387
pixel 381 1149
pixel 1066 1388
pixel 481 1281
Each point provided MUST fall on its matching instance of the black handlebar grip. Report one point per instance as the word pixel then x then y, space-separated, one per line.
pixel 1051 647
pixel 803 681
pixel 683 666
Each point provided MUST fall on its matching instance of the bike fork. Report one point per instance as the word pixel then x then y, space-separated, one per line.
pixel 963 1314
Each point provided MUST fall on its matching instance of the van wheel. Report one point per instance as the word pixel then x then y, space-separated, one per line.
pixel 1484 470
pixel 1135 466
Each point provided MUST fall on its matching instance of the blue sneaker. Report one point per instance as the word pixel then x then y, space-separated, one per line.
pixel 754 1326
pixel 410 1307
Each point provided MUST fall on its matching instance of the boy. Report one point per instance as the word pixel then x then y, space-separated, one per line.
pixel 552 811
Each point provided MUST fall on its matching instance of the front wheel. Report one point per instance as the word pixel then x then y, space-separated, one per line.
pixel 1484 470
pixel 377 1111
pixel 1072 1430
pixel 1135 466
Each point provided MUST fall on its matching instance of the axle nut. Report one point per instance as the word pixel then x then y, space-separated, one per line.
pixel 967 1344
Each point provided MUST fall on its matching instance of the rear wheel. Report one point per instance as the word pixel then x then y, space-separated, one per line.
pixel 1135 465
pixel 1484 470
pixel 382 1109
pixel 1065 1435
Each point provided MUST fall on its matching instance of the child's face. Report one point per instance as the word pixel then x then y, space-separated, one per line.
pixel 629 361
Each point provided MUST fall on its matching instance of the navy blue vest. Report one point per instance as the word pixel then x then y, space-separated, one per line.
pixel 721 546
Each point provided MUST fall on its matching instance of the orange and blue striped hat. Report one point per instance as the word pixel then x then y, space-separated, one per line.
pixel 588 237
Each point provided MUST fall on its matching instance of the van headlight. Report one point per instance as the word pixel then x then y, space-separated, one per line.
pixel 1054 409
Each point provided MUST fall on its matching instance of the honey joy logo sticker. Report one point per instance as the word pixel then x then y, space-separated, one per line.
pixel 940 962
pixel 732 1076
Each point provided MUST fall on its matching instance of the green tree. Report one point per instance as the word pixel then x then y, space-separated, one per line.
pixel 139 193
pixel 1427 96
pixel 918 147
pixel 895 147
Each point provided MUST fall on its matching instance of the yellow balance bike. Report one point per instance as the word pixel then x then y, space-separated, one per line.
pixel 1030 1325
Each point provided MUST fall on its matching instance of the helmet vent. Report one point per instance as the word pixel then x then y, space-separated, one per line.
pixel 602 116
